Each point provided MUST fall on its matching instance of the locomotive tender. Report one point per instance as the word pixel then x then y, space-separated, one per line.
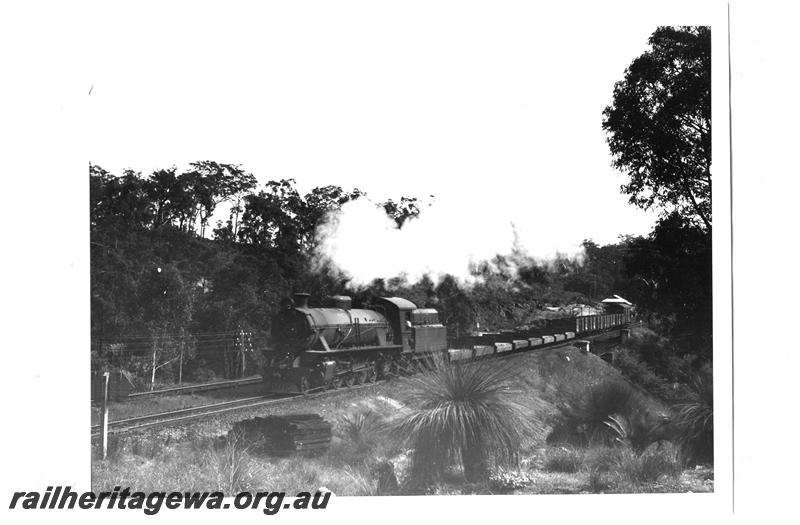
pixel 342 346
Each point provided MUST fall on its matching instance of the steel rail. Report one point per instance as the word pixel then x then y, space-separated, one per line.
pixel 190 413
pixel 187 414
pixel 179 412
pixel 219 385
pixel 175 416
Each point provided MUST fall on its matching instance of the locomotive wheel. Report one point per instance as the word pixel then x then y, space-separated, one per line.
pixel 359 377
pixel 347 379
pixel 370 375
pixel 336 382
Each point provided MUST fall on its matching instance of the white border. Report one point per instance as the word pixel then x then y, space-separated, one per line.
pixel 45 315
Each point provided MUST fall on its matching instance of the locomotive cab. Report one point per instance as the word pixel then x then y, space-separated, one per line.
pixel 416 329
pixel 398 312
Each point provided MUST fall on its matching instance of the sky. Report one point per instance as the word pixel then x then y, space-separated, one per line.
pixel 494 108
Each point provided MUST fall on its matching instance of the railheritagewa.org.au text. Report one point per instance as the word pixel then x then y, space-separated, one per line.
pixel 153 502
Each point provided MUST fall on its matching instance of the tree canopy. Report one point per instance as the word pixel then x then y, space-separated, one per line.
pixel 659 133
pixel 659 124
pixel 162 285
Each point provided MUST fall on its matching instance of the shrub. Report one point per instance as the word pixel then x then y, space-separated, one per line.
pixel 361 429
pixel 648 466
pixel 631 365
pixel 651 362
pixel 613 397
pixel 602 458
pixel 639 429
pixel 586 423
pixel 596 480
pixel 363 485
pixel 694 422
pixel 466 416
pixel 386 478
pixel 505 481
pixel 564 460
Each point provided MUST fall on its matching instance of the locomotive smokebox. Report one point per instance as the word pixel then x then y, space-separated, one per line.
pixel 301 300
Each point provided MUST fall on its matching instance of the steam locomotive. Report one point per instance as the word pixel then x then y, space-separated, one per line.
pixel 340 346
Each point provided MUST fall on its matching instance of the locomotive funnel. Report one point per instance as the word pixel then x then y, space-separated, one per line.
pixel 301 300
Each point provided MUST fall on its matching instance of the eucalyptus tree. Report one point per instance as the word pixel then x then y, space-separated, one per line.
pixel 659 124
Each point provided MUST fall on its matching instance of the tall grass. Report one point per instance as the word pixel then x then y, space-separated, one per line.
pixel 623 469
pixel 569 460
pixel 647 466
pixel 233 464
pixel 467 416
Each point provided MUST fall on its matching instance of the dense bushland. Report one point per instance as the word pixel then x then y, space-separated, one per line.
pixel 170 292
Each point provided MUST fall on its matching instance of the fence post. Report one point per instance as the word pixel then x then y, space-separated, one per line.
pixel 180 362
pixel 104 414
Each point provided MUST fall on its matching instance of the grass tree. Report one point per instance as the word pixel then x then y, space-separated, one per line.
pixel 588 421
pixel 694 421
pixel 466 415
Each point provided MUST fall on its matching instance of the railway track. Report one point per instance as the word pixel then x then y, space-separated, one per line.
pixel 192 413
pixel 183 415
pixel 181 390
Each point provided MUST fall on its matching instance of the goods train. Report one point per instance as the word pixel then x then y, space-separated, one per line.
pixel 341 346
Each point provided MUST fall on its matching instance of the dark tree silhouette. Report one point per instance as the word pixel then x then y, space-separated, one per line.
pixel 659 124
pixel 400 212
pixel 212 183
pixel 282 218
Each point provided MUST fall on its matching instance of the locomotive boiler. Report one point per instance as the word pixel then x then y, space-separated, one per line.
pixel 341 346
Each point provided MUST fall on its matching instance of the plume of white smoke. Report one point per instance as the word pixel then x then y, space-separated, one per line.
pixel 363 243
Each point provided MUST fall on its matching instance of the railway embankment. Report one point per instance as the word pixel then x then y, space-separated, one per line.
pixel 550 385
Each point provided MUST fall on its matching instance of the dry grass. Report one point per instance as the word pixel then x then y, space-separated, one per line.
pixel 191 458
pixel 562 459
pixel 648 466
pixel 234 465
pixel 232 469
